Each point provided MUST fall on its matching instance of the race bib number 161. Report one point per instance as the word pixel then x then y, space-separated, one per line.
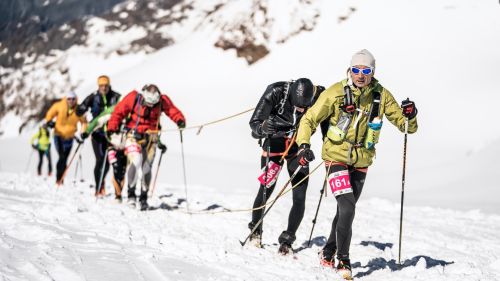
pixel 339 183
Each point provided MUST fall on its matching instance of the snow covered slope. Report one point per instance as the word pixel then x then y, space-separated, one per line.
pixel 64 234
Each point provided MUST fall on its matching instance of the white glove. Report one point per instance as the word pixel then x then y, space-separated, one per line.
pixel 117 141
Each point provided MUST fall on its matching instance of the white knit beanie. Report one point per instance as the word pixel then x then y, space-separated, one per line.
pixel 363 57
pixel 71 94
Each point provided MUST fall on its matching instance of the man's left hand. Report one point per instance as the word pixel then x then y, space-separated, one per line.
pixel 181 124
pixel 409 108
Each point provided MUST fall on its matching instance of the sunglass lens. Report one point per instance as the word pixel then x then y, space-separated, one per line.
pixel 355 70
pixel 367 71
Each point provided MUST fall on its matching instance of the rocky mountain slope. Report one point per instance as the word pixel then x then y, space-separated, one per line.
pixel 38 43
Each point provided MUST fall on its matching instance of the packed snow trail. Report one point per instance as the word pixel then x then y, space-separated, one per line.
pixel 63 234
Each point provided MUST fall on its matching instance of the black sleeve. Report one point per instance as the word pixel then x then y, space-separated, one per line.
pixel 84 106
pixel 319 90
pixel 262 111
pixel 116 97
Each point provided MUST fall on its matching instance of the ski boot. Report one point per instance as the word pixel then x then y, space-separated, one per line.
pixel 285 249
pixel 344 269
pixel 118 199
pixel 131 196
pixel 101 193
pixel 143 200
pixel 327 258
pixel 256 236
pixel 144 205
pixel 286 240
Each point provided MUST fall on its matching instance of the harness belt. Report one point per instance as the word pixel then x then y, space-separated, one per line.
pixel 328 164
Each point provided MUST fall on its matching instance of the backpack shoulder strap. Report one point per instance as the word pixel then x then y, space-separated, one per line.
pixel 375 110
pixel 129 116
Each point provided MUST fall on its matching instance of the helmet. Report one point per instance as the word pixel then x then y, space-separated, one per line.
pixel 151 94
pixel 302 93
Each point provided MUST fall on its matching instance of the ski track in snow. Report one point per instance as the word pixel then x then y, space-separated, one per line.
pixel 64 234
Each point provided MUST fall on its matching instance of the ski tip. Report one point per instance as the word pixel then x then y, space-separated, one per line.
pixel 242 243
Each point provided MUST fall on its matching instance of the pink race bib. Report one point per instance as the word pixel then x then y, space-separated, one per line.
pixel 112 156
pixel 132 148
pixel 272 174
pixel 340 183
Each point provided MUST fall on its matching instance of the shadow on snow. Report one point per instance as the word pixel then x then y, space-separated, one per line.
pixel 378 263
pixel 381 263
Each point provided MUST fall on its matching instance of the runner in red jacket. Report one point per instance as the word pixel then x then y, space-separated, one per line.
pixel 141 112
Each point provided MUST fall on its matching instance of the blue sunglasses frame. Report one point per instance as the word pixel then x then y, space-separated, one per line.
pixel 365 71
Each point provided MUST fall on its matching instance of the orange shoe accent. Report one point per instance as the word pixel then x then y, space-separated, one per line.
pixel 327 263
pixel 118 186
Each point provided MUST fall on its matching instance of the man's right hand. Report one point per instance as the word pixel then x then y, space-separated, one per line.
pixel 268 127
pixel 50 124
pixel 35 147
pixel 305 154
pixel 162 147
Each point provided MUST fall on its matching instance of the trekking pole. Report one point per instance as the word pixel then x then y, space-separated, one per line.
pixel 29 161
pixel 101 176
pixel 184 170
pixel 316 215
pixel 156 175
pixel 322 191
pixel 264 191
pixel 81 167
pixel 271 206
pixel 76 170
pixel 69 165
pixel 402 191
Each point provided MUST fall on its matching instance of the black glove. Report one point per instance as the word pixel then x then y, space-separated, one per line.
pixel 84 135
pixel 162 147
pixel 80 110
pixel 181 124
pixel 268 127
pixel 305 154
pixel 409 108
pixel 51 124
pixel 35 147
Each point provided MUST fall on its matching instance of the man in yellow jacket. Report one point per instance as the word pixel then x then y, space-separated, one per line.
pixel 65 128
pixel 355 108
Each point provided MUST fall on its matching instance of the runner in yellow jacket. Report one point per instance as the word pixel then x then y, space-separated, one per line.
pixel 65 129
pixel 355 108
